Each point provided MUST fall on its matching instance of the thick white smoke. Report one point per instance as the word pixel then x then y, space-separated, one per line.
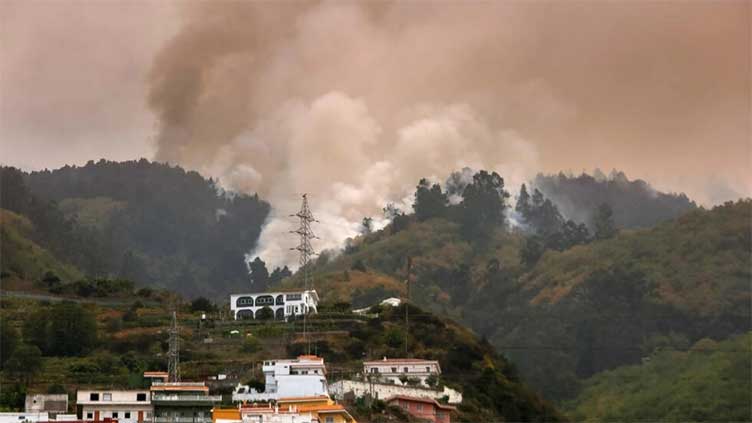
pixel 269 99
pixel 353 102
pixel 335 150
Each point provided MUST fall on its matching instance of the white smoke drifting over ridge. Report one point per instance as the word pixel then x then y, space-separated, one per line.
pixel 354 102
pixel 269 99
pixel 334 150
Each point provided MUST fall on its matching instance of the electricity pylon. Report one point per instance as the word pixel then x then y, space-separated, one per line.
pixel 306 252
pixel 173 355
pixel 407 300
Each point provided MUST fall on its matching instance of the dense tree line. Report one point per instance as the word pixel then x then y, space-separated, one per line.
pixel 480 211
pixel 634 202
pixel 153 223
pixel 709 381
pixel 547 229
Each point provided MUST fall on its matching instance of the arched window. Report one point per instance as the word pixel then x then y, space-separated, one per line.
pixel 244 302
pixel 279 314
pixel 245 315
pixel 280 299
pixel 264 300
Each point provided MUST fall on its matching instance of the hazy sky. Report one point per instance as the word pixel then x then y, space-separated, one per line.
pixel 269 97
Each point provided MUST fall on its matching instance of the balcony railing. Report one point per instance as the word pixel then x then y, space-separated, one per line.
pixel 182 419
pixel 186 398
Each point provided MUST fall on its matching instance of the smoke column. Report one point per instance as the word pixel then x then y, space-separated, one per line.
pixel 355 102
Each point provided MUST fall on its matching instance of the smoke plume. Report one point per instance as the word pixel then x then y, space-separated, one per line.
pixel 355 102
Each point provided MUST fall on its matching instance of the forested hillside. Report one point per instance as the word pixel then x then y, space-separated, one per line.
pixel 24 259
pixel 96 344
pixel 151 223
pixel 563 303
pixel 709 382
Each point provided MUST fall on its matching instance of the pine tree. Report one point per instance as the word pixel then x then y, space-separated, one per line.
pixel 523 203
pixel 259 275
pixel 604 222
pixel 430 201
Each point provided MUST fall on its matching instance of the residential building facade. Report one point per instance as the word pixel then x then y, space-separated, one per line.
pixel 182 402
pixel 319 409
pixel 401 371
pixel 123 406
pixel 30 417
pixel 283 305
pixel 358 388
pixel 51 403
pixel 423 408
pixel 304 376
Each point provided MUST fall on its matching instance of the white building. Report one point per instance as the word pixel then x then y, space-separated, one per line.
pixel 125 406
pixel 358 388
pixel 51 403
pixel 394 370
pixel 282 304
pixel 304 376
pixel 32 417
pixel 391 301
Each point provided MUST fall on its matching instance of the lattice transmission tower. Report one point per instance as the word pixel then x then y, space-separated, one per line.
pixel 173 355
pixel 306 251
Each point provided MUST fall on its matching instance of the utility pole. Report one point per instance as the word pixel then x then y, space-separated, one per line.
pixel 306 252
pixel 173 356
pixel 407 300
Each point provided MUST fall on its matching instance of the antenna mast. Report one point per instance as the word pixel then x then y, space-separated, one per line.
pixel 173 356
pixel 306 252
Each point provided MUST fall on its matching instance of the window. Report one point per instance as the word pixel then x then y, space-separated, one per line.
pixel 394 370
pixel 374 369
pixel 141 397
pixel 428 369
pixel 293 297
pixel 329 419
pixel 107 396
pixel 419 407
pixel 114 414
pixel 245 302
pixel 89 415
pixel 265 300
pixel 127 415
pixel 405 369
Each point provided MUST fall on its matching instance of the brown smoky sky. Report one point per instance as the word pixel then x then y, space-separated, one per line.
pixel 354 101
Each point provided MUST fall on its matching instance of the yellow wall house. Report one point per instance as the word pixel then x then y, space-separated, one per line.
pixel 226 415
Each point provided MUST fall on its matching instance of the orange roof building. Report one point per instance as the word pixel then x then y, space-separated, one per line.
pixel 423 408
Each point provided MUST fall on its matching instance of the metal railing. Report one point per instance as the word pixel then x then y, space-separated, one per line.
pixel 182 419
pixel 192 398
